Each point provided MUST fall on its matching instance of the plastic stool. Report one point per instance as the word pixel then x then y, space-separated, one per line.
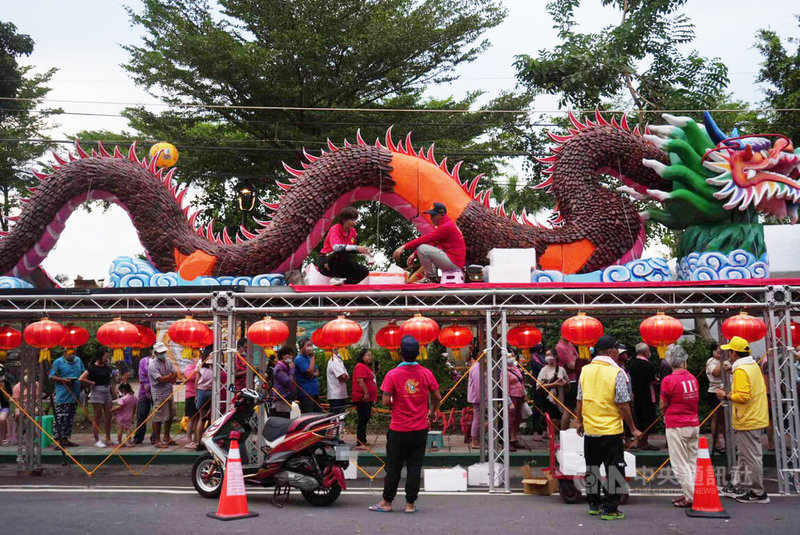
pixel 452 277
pixel 435 440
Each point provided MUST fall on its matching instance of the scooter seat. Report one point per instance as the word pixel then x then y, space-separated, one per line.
pixel 276 427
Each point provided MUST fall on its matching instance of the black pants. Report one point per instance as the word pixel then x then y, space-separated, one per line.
pixel 404 447
pixel 337 405
pixel 308 404
pixel 609 452
pixel 342 265
pixel 142 412
pixel 64 417
pixel 364 409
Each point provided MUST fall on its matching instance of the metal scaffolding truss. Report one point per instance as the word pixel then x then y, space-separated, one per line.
pixel 495 307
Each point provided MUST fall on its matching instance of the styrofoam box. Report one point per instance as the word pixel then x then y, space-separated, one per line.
pixel 478 475
pixel 376 277
pixel 574 464
pixel 352 469
pixel 508 273
pixel 314 278
pixel 502 257
pixel 445 479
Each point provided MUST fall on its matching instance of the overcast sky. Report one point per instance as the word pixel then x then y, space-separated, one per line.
pixel 82 39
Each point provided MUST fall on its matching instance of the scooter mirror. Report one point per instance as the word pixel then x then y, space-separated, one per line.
pixel 232 388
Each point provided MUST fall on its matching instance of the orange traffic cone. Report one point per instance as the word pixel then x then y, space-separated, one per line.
pixel 233 500
pixel 706 502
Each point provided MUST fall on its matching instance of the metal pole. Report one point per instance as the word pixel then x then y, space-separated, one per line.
pixel 482 411
pixel 490 408
pixel 504 401
pixel 730 441
pixel 216 364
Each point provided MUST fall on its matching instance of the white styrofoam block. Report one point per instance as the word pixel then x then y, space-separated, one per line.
pixel 314 278
pixel 782 247
pixel 500 257
pixel 509 273
pixel 478 475
pixel 352 469
pixel 574 464
pixel 445 479
pixel 570 441
pixel 376 277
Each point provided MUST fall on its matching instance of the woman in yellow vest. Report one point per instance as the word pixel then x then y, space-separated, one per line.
pixel 748 397
pixel 604 401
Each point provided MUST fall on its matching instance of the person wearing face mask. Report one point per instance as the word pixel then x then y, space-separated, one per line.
pixel 283 379
pixel 65 373
pixel 162 376
pixel 98 376
pixel 554 380
pixel 335 258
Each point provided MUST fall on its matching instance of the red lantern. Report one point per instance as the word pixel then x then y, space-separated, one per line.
pixel 455 337
pixel 744 326
pixel 660 331
pixel 117 335
pixel 189 333
pixel 389 338
pixel 342 333
pixel 74 336
pixel 424 330
pixel 268 333
pixel 209 339
pixel 318 339
pixel 524 337
pixel 43 335
pixel 794 330
pixel 146 339
pixel 583 331
pixel 10 338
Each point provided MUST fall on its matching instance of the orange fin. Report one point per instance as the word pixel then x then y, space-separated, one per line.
pixel 197 264
pixel 567 258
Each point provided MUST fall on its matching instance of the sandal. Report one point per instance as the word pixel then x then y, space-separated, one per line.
pixel 378 509
pixel 682 503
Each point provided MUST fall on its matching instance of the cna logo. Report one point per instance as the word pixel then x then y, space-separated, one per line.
pixel 412 386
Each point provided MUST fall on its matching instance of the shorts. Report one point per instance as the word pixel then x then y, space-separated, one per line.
pixel 202 401
pixel 190 407
pixel 166 412
pixel 100 394
pixel 4 409
pixel 712 400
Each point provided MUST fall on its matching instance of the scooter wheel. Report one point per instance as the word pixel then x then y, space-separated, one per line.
pixel 207 476
pixel 568 491
pixel 322 497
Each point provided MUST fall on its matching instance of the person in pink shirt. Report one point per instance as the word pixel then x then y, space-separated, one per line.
pixel 680 397
pixel 190 406
pixel 413 394
pixel 336 257
pixel 123 412
pixel 516 391
pixel 444 248
pixel 364 393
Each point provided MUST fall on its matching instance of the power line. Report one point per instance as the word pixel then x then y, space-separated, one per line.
pixel 385 110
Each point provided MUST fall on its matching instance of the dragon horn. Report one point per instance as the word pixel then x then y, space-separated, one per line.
pixel 717 135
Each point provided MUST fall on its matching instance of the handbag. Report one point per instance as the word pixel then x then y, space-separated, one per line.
pixel 526 410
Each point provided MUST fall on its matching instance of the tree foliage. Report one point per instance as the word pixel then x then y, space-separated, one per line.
pixel 780 71
pixel 22 118
pixel 256 67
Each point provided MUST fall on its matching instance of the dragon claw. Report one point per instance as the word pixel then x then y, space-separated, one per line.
pixel 658 195
pixel 656 166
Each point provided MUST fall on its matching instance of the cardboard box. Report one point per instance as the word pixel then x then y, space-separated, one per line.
pixel 445 479
pixel 502 257
pixel 538 481
pixel 478 475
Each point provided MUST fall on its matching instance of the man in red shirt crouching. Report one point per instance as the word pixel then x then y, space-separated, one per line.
pixel 407 389
pixel 444 248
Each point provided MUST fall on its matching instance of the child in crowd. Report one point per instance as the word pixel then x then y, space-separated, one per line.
pixel 123 410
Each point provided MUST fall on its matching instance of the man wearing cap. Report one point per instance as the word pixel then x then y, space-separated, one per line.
pixel 162 375
pixel 413 394
pixel 444 248
pixel 604 398
pixel 750 416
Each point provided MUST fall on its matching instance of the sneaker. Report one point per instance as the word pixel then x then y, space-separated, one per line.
pixel 612 515
pixel 99 444
pixel 731 491
pixel 336 281
pixel 751 497
pixel 594 512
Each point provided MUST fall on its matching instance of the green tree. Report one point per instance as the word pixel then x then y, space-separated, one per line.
pixel 256 67
pixel 780 71
pixel 639 58
pixel 22 118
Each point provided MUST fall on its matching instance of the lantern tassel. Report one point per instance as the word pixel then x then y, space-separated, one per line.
pixel 186 354
pixel 526 356
pixel 3 355
pixel 118 354
pixel 584 353
pixel 662 351
pixel 423 353
pixel 457 353
pixel 44 355
pixel 395 355
pixel 344 353
pixel 136 352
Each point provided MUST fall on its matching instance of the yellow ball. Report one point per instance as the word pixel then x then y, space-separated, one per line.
pixel 169 154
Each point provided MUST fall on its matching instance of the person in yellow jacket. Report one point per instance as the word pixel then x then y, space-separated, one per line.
pixel 750 411
pixel 604 401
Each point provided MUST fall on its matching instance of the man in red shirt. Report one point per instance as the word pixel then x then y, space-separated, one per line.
pixel 680 397
pixel 444 248
pixel 406 389
pixel 336 257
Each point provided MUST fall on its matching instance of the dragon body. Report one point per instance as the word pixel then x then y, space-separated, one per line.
pixel 592 226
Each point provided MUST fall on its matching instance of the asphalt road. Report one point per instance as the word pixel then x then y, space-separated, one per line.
pixel 166 505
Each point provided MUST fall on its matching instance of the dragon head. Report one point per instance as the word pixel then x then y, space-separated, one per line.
pixel 762 171
pixel 714 176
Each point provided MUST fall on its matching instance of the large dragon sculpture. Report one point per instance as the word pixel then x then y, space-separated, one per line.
pixel 698 173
